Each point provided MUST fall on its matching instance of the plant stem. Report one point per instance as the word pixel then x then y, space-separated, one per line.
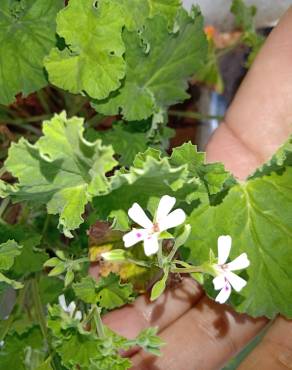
pixel 138 262
pixel 98 322
pixel 39 308
pixel 184 270
pixel 2 171
pixel 25 126
pixel 160 255
pixel 4 204
pixel 195 115
pixel 43 101
pixel 94 315
pixel 172 253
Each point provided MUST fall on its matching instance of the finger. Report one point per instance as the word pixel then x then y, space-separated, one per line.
pixel 204 338
pixel 260 117
pixel 275 350
pixel 130 320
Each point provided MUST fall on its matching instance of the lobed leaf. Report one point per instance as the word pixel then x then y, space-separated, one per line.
pixel 65 179
pixel 257 216
pixel 92 62
pixel 159 63
pixel 107 292
pixel 27 34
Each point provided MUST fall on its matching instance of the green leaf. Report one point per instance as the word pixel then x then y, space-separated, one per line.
pixel 58 269
pixel 13 283
pixel 209 73
pixel 125 141
pixel 159 287
pixel 159 63
pixel 31 259
pixel 27 34
pixel 50 289
pixel 257 216
pixel 245 19
pixel 213 176
pixel 64 179
pixel 93 60
pixel 134 12
pixel 8 252
pixel 110 362
pixel 168 8
pixel 150 176
pixel 244 15
pixel 45 365
pixel 149 341
pixel 52 262
pixel 69 277
pixel 107 292
pixel 16 346
pixel 182 237
pixel 78 351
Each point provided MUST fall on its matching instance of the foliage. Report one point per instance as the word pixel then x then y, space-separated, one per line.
pixel 27 28
pixel 71 189
pixel 64 180
pixel 244 18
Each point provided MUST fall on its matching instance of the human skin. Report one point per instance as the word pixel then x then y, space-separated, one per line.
pixel 201 334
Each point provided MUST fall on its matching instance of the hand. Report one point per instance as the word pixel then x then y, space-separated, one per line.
pixel 200 334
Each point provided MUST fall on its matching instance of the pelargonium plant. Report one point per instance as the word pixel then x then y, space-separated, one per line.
pixel 75 196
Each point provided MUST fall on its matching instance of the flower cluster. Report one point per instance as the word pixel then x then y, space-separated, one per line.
pixel 150 234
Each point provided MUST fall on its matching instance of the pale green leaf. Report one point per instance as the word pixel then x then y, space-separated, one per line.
pixel 257 214
pixel 150 176
pixel 93 61
pixel 8 252
pixel 13 283
pixel 213 176
pixel 168 8
pixel 149 341
pixel 69 277
pixel 159 287
pixel 65 179
pixel 157 71
pixel 27 34
pixel 108 292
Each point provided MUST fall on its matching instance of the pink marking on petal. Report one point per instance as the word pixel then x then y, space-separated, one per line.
pixel 227 287
pixel 139 235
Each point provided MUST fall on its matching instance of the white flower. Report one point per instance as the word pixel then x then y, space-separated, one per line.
pixel 226 279
pixel 70 309
pixel 150 231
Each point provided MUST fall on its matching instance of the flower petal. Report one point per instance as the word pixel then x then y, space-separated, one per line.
pixel 62 302
pixel 241 262
pixel 78 315
pixel 71 308
pixel 224 246
pixel 219 282
pixel 137 214
pixel 164 207
pixel 151 245
pixel 135 236
pixel 224 294
pixel 236 281
pixel 175 218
